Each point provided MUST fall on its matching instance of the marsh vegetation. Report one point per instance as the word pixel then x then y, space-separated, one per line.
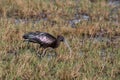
pixel 92 30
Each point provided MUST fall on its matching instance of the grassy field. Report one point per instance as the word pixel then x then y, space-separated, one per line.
pixel 95 44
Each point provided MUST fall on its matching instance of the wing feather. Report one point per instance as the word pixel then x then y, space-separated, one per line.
pixel 46 38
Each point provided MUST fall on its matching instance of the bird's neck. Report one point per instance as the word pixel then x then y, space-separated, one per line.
pixel 57 43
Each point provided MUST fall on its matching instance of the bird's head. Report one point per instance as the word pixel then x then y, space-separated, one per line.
pixel 60 38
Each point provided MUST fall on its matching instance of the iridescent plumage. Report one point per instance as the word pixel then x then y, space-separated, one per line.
pixel 44 39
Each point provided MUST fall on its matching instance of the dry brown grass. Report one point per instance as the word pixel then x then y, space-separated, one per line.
pixel 87 62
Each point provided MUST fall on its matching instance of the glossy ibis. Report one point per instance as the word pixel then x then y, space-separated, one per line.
pixel 45 40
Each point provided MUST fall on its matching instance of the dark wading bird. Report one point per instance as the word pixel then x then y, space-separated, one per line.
pixel 45 40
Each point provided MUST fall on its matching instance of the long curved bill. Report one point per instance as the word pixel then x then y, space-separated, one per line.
pixel 66 43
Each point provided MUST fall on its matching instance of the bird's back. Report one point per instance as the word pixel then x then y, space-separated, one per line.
pixel 42 38
pixel 31 36
pixel 45 38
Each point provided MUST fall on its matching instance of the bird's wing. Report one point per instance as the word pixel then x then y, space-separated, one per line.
pixel 45 38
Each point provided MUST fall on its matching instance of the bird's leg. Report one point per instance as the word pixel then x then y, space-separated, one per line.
pixel 51 49
pixel 38 51
pixel 55 52
pixel 44 52
pixel 28 45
